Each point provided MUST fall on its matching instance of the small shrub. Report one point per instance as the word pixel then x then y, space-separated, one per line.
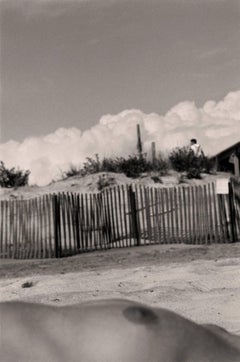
pixel 110 165
pixel 134 166
pixel 183 160
pixel 13 177
pixel 73 171
pixel 92 165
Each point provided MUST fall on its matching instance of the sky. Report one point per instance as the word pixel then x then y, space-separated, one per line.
pixel 78 75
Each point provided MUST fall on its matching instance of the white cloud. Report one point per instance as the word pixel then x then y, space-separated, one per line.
pixel 216 125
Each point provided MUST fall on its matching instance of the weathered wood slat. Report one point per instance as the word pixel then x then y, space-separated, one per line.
pixel 69 225
pixel 142 218
pixel 29 230
pixel 20 225
pixel 168 222
pixel 157 218
pixel 36 243
pixel 153 216
pixel 51 225
pixel 94 222
pixel 189 214
pixel 88 246
pixel 116 208
pixel 222 218
pixel 26 229
pixel 81 221
pixel 44 220
pixel 7 238
pixel 22 204
pixel 78 222
pixel 14 225
pixel 180 215
pixel 130 234
pixel 176 215
pixel 147 208
pixel 64 223
pixel 74 222
pixel 121 228
pixel 216 215
pixel 210 208
pixel 102 210
pixel 43 228
pixel 172 212
pixel 201 216
pixel 193 212
pixel 11 213
pixel 6 229
pixel 2 229
pixel 111 217
pixel 36 226
pixel 125 217
pixel 185 219
pixel 206 215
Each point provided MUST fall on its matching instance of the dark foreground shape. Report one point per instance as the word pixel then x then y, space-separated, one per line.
pixel 109 331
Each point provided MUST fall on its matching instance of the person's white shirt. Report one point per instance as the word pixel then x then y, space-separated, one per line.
pixel 197 149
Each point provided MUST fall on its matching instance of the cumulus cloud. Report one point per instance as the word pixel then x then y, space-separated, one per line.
pixel 216 125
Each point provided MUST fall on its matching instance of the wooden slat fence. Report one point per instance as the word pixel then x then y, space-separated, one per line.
pixel 66 224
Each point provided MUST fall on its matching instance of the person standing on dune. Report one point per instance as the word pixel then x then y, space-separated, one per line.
pixel 196 148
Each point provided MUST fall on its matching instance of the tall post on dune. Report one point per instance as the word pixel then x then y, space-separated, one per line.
pixel 153 153
pixel 139 141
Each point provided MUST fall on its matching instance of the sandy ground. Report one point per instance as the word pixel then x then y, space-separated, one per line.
pixel 199 282
pixel 89 184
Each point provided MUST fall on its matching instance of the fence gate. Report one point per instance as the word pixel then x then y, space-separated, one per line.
pixel 179 215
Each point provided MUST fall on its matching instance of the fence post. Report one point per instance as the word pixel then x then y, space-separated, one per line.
pixel 223 216
pixel 232 212
pixel 134 220
pixel 107 229
pixel 56 222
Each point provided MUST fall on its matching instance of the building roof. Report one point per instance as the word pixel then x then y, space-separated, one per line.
pixel 227 151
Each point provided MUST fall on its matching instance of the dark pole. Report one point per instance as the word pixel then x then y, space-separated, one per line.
pixel 139 142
